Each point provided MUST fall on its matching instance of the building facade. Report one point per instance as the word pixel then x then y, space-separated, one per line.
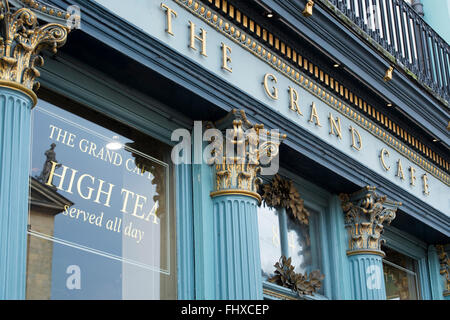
pixel 224 149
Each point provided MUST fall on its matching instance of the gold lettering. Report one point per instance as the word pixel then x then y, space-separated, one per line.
pixel 294 100
pixel 80 180
pixel 152 213
pixel 355 134
pixel 86 145
pixel 125 200
pixel 333 126
pixel 400 170
pixel 314 115
pixel 384 153
pixel 274 94
pixel 201 38
pixel 412 171
pixel 226 58
pixel 72 178
pixel 169 13
pixel 139 205
pixel 100 191
pixel 52 174
pixel 426 187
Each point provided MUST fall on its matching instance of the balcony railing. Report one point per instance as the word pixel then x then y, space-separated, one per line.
pixel 405 38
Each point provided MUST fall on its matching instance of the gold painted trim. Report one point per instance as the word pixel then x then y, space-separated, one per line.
pixel 236 192
pixel 446 294
pixel 255 47
pixel 278 295
pixel 374 252
pixel 21 88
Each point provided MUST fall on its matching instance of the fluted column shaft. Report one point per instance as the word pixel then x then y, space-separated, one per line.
pixel 15 124
pixel 237 259
pixel 366 272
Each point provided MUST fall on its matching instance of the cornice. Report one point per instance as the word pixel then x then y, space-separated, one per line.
pixel 335 39
pixel 312 79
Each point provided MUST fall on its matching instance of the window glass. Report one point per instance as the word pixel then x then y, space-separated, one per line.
pixel 400 276
pixel 269 240
pixel 100 218
pixel 302 241
pixel 299 240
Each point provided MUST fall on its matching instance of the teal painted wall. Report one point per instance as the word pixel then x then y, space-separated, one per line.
pixel 437 15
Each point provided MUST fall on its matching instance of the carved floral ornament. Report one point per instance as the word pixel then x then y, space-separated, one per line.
pixel 21 41
pixel 300 283
pixel 281 193
pixel 365 212
pixel 238 173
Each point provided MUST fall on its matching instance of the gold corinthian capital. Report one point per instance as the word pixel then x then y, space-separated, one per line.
pixel 22 38
pixel 238 158
pixel 365 212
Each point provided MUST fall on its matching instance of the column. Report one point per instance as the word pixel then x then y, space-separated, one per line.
pixel 365 212
pixel 22 41
pixel 437 285
pixel 235 198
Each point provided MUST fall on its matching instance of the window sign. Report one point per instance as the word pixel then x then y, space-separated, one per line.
pixel 100 220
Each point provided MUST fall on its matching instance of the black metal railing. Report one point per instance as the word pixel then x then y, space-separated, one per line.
pixel 402 32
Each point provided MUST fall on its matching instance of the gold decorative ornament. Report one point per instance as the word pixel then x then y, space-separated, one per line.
pixel 237 173
pixel 281 193
pixel 388 74
pixel 21 41
pixel 402 140
pixel 301 283
pixel 365 213
pixel 308 11
pixel 444 261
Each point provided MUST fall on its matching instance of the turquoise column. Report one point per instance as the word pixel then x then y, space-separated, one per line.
pixel 365 213
pixel 436 281
pixel 340 277
pixel 366 273
pixel 15 124
pixel 18 71
pixel 237 261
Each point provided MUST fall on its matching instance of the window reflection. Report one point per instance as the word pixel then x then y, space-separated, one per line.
pixel 269 240
pixel 299 246
pixel 400 276
pixel 100 224
pixel 304 250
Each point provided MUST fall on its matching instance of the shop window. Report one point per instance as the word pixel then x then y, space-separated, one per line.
pixel 101 222
pixel 401 276
pixel 303 245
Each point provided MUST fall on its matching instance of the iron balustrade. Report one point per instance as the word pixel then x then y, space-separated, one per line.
pixel 401 31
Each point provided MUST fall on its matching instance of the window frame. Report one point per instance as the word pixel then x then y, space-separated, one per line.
pixel 415 249
pixel 80 83
pixel 316 199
